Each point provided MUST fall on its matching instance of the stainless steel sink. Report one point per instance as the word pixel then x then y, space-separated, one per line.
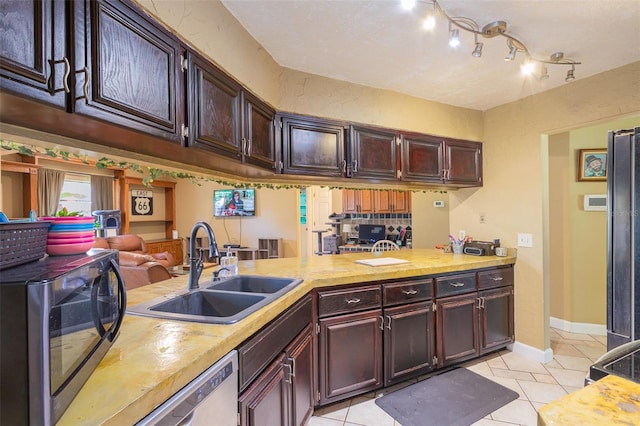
pixel 255 284
pixel 223 302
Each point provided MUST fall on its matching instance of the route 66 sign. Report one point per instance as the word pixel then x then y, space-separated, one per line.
pixel 141 202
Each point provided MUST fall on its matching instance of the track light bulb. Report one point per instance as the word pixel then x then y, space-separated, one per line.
pixel 454 41
pixel 570 76
pixel 408 4
pixel 512 54
pixel 429 22
pixel 527 67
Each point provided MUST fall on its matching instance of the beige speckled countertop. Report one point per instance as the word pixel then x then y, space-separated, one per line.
pixel 611 400
pixel 152 358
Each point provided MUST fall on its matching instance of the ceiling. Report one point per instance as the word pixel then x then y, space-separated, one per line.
pixel 377 43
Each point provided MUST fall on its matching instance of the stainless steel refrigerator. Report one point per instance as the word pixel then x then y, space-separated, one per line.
pixel 623 236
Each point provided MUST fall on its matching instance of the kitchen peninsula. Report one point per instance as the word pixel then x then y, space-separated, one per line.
pixel 153 358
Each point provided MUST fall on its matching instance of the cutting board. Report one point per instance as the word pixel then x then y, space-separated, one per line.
pixel 382 261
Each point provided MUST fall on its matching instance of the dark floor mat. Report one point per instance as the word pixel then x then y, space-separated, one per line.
pixel 458 397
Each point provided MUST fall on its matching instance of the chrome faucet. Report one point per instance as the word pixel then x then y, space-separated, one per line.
pixel 195 260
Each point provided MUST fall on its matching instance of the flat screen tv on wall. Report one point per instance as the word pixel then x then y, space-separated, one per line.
pixel 234 202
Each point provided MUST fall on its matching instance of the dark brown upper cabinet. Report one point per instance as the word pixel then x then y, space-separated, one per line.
pixel 33 56
pixel 213 108
pixel 258 132
pixel 438 160
pixel 313 146
pixel 128 69
pixel 372 153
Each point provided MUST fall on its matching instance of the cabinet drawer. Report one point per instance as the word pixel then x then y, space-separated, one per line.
pixel 455 284
pixel 405 292
pixel 495 278
pixel 348 300
pixel 256 353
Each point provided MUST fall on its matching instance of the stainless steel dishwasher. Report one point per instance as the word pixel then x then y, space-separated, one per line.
pixel 210 399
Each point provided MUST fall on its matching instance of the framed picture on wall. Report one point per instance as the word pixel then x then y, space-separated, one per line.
pixel 592 164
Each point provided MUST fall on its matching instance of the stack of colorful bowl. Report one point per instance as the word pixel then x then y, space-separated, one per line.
pixel 69 234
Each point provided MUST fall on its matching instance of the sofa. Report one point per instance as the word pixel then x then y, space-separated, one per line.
pixel 138 268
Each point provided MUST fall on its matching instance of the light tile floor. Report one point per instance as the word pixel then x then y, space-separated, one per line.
pixel 536 383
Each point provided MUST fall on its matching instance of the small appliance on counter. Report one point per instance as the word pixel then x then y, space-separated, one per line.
pixel 58 317
pixel 480 248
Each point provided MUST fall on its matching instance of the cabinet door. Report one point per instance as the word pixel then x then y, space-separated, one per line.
pixel 384 201
pixel 367 201
pixel 422 158
pixel 350 201
pixel 313 147
pixel 132 73
pixel 391 201
pixel 402 202
pixel 409 338
pixel 457 329
pixel 265 402
pixel 213 108
pixel 259 145
pixel 350 355
pixel 372 153
pixel 463 163
pixel 496 318
pixel 300 364
pixel 33 59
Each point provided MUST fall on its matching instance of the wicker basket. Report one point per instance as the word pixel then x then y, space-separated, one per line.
pixel 22 242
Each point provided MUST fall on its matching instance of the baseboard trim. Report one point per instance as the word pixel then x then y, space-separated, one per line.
pixel 578 327
pixel 531 352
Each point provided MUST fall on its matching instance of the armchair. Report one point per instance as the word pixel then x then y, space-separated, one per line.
pixel 138 267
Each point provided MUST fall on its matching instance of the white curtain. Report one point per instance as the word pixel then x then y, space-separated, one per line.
pixel 101 193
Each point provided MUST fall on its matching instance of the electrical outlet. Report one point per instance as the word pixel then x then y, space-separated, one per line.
pixel 462 235
pixel 525 240
pixel 483 218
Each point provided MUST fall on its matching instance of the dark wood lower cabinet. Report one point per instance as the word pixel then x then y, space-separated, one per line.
pixel 409 337
pixel 457 328
pixel 496 318
pixel 473 324
pixel 350 355
pixel 265 401
pixel 283 393
pixel 300 362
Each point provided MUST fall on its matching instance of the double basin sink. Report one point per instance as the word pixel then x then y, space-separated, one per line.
pixel 218 302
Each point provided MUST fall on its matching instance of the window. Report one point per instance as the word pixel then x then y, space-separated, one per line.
pixel 76 193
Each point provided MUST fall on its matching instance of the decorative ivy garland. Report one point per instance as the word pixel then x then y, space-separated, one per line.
pixel 153 173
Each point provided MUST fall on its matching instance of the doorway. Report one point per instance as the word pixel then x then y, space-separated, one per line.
pixel 318 207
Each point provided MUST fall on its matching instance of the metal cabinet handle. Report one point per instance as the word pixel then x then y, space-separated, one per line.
pixel 65 79
pixel 481 301
pixel 389 324
pixel 354 300
pixel 249 147
pixel 458 284
pixel 85 86
pixel 409 292
pixel 381 322
pixel 243 147
pixel 287 379
pixel 344 166
pixel 355 166
pixel 293 366
pixel 497 278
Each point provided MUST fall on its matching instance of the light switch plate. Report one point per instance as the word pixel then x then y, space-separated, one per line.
pixel 525 240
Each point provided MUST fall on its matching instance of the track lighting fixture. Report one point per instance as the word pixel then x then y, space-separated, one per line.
pixel 491 30
pixel 570 76
pixel 544 74
pixel 477 51
pixel 512 54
